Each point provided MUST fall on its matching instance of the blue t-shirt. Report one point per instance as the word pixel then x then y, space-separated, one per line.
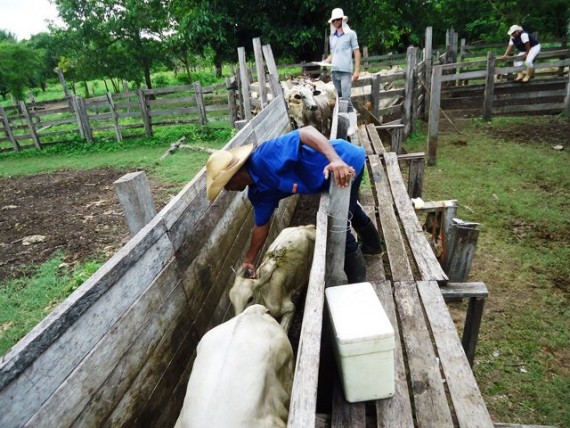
pixel 284 166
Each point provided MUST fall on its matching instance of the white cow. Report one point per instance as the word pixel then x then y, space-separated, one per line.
pixel 284 270
pixel 308 106
pixel 242 376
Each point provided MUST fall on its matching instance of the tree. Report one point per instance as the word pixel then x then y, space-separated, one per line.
pixel 118 34
pixel 18 64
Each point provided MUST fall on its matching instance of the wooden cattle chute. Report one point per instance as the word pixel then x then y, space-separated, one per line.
pixel 126 114
pixel 119 350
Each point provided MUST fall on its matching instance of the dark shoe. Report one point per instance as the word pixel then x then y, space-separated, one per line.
pixel 369 239
pixel 355 267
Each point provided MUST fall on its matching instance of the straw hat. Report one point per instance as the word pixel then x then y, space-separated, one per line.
pixel 336 14
pixel 513 29
pixel 221 167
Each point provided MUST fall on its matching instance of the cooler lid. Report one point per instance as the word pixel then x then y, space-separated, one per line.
pixel 359 322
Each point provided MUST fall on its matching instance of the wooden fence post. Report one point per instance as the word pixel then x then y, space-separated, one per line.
pixel 375 94
pixel 397 136
pixel 416 178
pixel 8 130
pixel 489 87
pixel 136 198
pixel 30 123
pixel 365 55
pixel 68 96
pixel 85 119
pixel 244 83
pixel 260 68
pixel 433 124
pixel 428 61
pixel 200 102
pixel 339 199
pixel 409 89
pixel 567 100
pixel 232 99
pixel 343 122
pixel 147 122
pixel 270 61
pixel 118 134
pixel 461 249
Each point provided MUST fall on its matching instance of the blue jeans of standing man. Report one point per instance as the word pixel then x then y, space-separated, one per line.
pixel 342 81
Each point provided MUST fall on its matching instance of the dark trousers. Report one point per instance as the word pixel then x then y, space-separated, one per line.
pixel 356 215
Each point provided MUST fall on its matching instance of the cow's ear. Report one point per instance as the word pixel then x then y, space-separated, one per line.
pixel 316 92
pixel 298 96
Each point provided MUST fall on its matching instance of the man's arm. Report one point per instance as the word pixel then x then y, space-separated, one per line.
pixel 356 73
pixel 508 51
pixel 258 237
pixel 341 172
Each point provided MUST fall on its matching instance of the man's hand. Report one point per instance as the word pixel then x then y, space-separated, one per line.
pixel 342 173
pixel 355 76
pixel 248 270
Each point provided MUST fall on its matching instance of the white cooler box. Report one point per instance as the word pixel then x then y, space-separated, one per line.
pixel 364 342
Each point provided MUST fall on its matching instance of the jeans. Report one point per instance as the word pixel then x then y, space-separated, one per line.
pixel 356 215
pixel 342 81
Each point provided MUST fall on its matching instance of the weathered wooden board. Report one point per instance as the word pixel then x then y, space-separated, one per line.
pixel 430 402
pixel 427 263
pixel 396 411
pixel 346 414
pixel 399 264
pixel 468 403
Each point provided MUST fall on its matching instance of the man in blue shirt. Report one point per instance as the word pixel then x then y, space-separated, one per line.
pixel 298 162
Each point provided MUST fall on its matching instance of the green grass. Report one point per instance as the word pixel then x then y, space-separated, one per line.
pixel 25 301
pixel 520 195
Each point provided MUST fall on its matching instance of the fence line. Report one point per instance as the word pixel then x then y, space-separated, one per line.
pixel 34 125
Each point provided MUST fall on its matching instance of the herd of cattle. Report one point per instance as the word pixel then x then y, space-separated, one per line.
pixel 243 372
pixel 311 101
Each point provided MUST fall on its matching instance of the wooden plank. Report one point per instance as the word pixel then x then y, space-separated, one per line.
pixel 427 263
pixel 399 264
pixel 433 124
pixel 489 87
pixel 344 414
pixel 40 379
pixel 30 123
pixel 396 411
pixel 304 394
pixel 136 199
pixel 408 99
pixel 260 67
pixel 430 402
pixel 470 409
pixel 374 263
pixel 244 83
pixel 453 290
pixel 8 130
pixel 128 343
pixel 363 140
pixel 375 139
pixel 200 102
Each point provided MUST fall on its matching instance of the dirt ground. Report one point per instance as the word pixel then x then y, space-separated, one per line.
pixel 77 212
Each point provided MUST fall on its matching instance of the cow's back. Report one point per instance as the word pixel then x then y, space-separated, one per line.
pixel 242 375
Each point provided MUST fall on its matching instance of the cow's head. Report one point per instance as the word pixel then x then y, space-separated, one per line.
pixel 307 96
pixel 242 292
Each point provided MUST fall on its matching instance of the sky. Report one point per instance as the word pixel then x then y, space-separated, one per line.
pixel 26 17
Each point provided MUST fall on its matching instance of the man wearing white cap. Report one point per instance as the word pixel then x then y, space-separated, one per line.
pixel 529 48
pixel 343 44
pixel 299 162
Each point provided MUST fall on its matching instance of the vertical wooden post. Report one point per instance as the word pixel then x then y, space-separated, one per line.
pixel 8 130
pixel 343 121
pixel 461 249
pixel 433 124
pixel 135 197
pixel 147 122
pixel 232 100
pixel 85 119
pixel 375 94
pixel 365 55
pixel 270 61
pixel 239 96
pixel 118 134
pixel 200 102
pixel 339 199
pixel 567 99
pixel 428 61
pixel 397 135
pixel 68 96
pixel 30 123
pixel 471 327
pixel 260 68
pixel 244 83
pixel 409 89
pixel 489 91
pixel 416 178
